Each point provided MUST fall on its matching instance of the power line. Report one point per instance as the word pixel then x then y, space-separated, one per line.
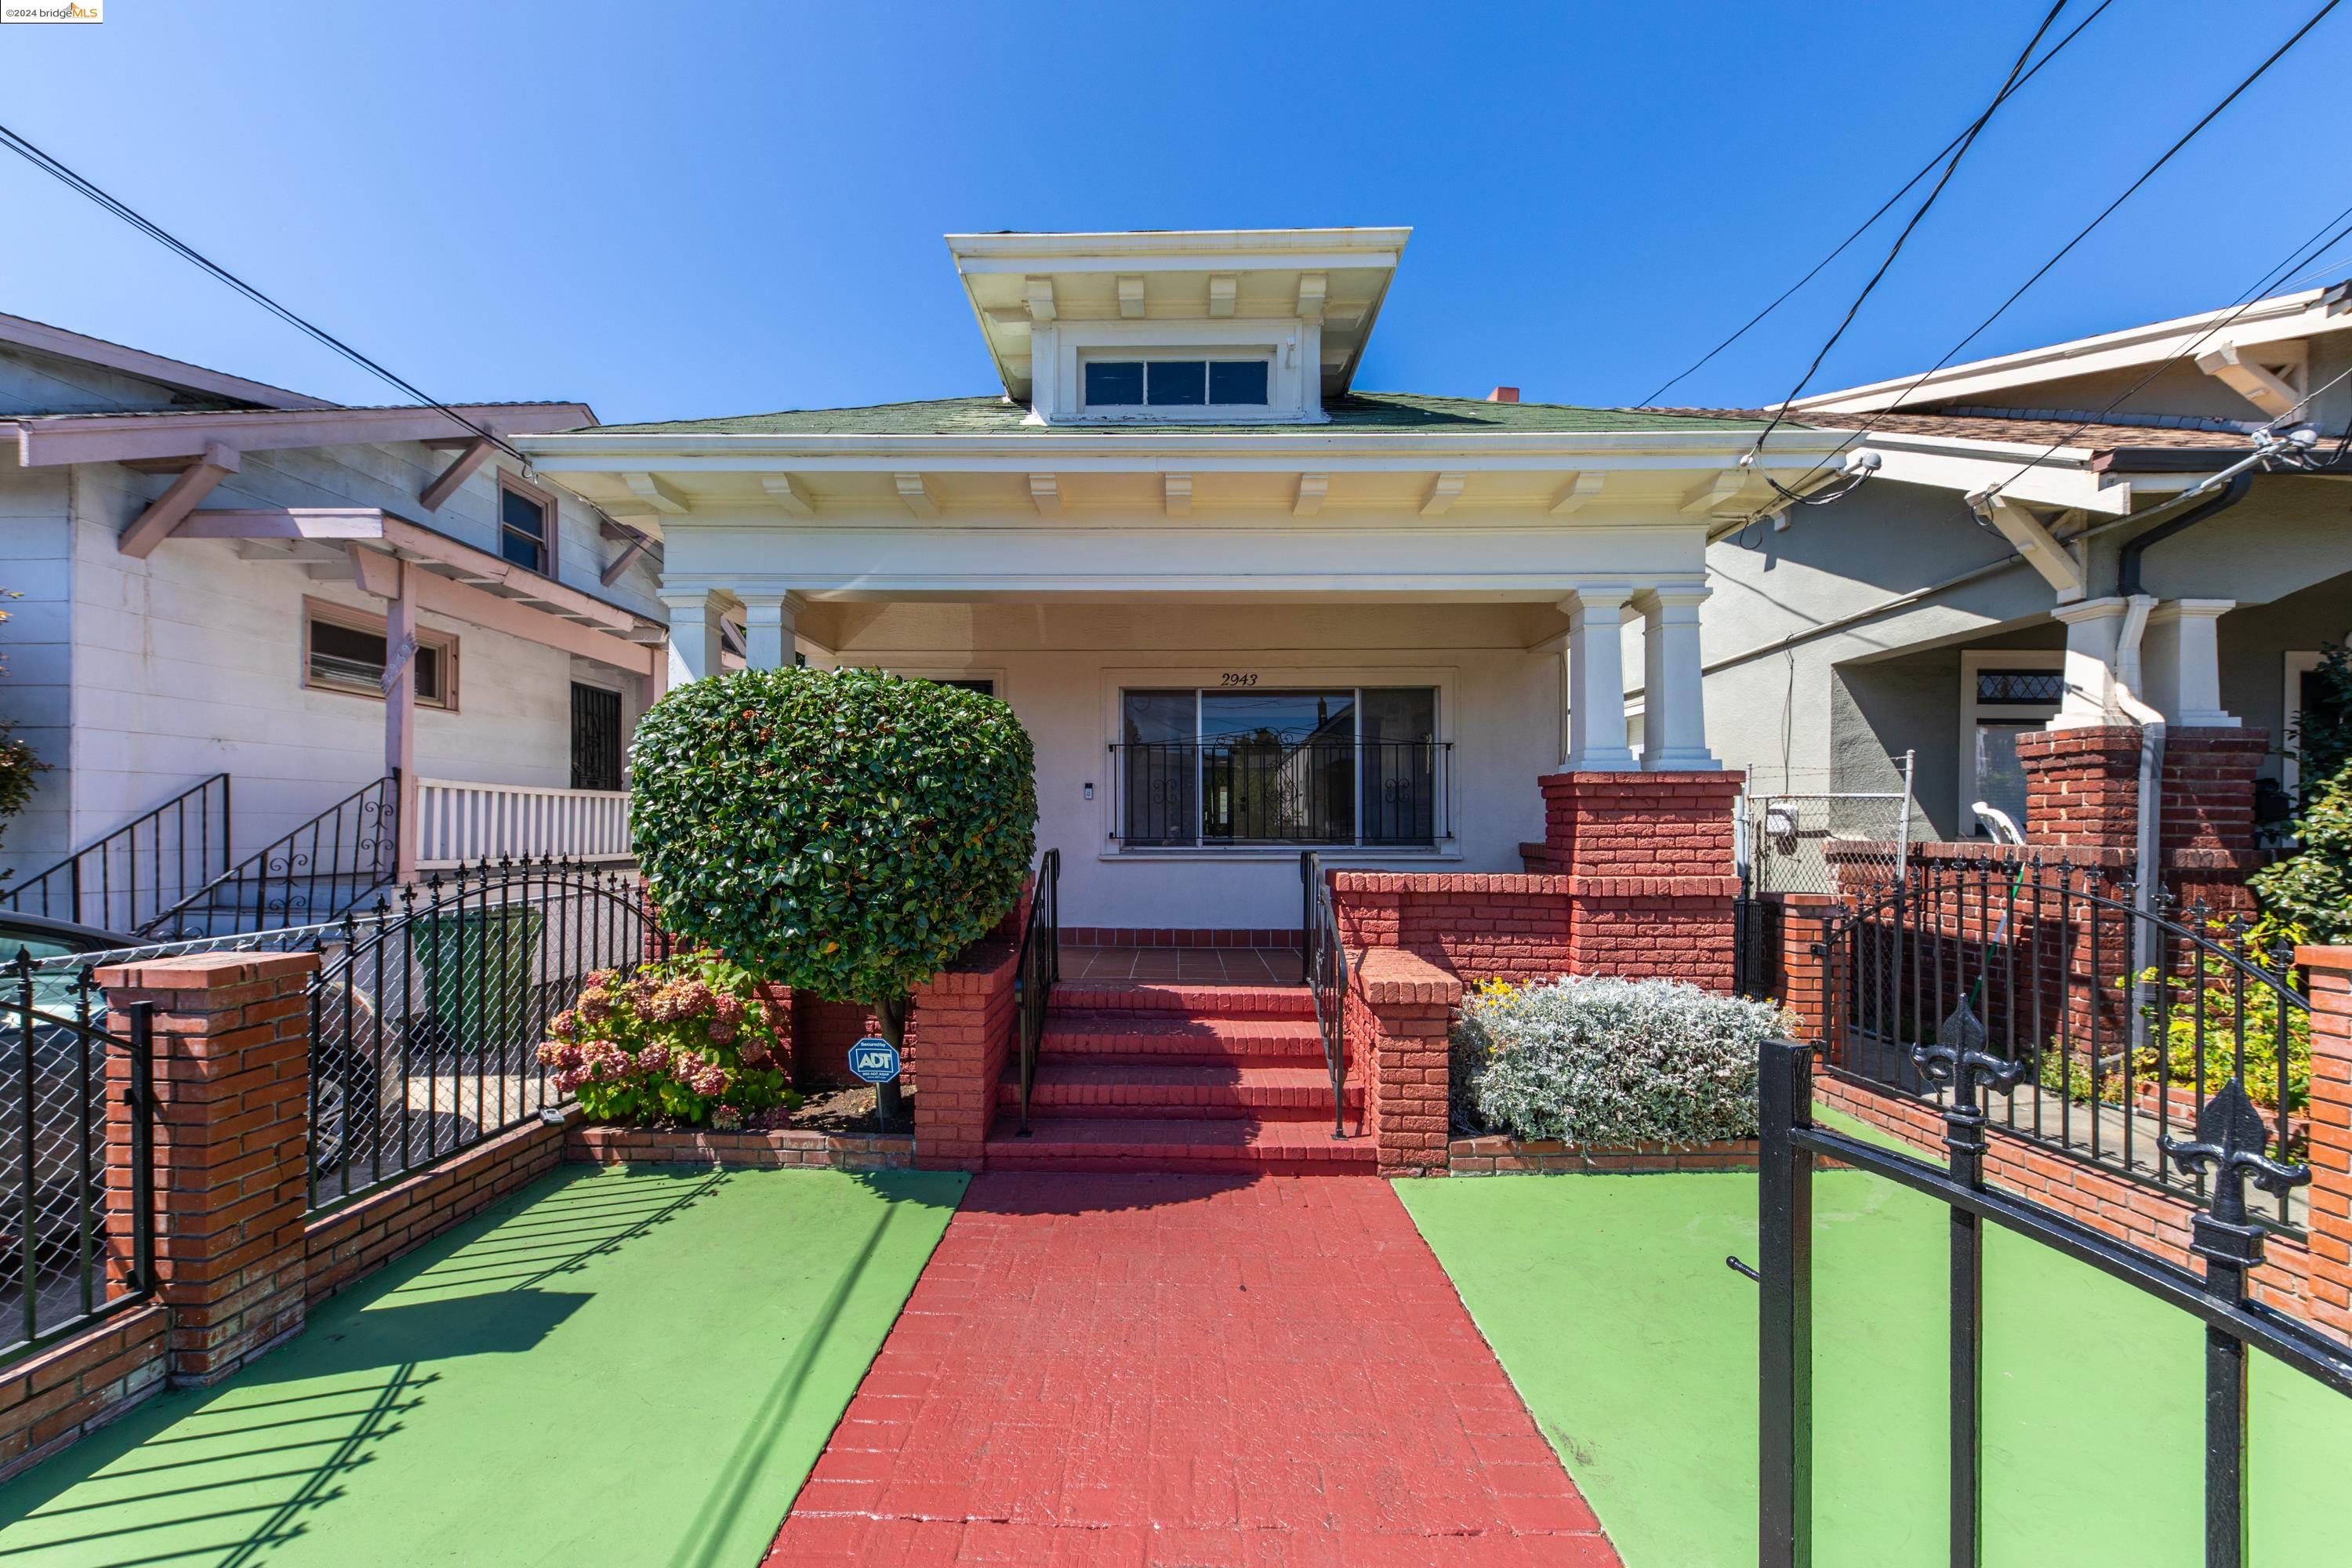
pixel 1968 140
pixel 1870 222
pixel 83 186
pixel 2080 234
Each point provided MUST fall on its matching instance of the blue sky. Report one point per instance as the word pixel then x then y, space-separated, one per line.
pixel 675 210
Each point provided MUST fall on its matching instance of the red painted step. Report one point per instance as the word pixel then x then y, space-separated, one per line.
pixel 1113 1144
pixel 1187 997
pixel 1173 1036
pixel 1178 1090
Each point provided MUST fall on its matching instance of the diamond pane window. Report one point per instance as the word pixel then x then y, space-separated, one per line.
pixel 2039 688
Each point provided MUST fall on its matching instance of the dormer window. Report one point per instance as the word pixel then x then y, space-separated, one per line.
pixel 1117 386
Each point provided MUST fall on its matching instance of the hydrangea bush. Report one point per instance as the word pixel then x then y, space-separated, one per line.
pixel 847 832
pixel 685 1039
pixel 1603 1062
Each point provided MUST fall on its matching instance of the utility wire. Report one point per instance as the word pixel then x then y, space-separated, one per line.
pixel 1968 140
pixel 1867 224
pixel 2080 234
pixel 81 185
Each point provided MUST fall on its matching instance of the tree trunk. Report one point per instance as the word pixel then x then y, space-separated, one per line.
pixel 889 1105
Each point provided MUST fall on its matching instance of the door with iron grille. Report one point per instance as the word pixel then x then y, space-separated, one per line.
pixel 595 738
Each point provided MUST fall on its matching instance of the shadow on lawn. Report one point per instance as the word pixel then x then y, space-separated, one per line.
pixel 221 1476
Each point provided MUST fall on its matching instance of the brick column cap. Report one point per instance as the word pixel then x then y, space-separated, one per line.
pixel 1393 974
pixel 204 971
pixel 2323 957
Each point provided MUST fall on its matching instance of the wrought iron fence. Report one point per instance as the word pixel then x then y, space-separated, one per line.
pixel 2123 1016
pixel 330 864
pixel 142 868
pixel 2225 1147
pixel 1035 976
pixel 427 1013
pixel 1326 961
pixel 1282 790
pixel 77 1158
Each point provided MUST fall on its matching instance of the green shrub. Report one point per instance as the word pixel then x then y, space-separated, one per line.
pixel 843 833
pixel 687 1039
pixel 1605 1063
pixel 2310 892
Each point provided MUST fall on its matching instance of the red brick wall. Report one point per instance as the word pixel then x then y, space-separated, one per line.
pixel 1501 1154
pixel 967 1019
pixel 1478 927
pixel 2082 790
pixel 344 1246
pixel 794 1149
pixel 80 1384
pixel 1399 1007
pixel 1652 877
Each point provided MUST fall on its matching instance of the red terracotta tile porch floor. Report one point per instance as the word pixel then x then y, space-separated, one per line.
pixel 1198 965
pixel 1182 1371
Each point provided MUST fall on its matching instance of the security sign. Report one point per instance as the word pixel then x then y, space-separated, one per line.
pixel 875 1059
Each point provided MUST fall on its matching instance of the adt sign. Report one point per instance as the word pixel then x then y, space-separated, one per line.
pixel 875 1059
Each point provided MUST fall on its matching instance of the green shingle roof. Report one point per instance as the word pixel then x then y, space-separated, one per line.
pixel 1383 412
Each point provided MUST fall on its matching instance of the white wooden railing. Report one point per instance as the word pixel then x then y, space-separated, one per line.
pixel 458 823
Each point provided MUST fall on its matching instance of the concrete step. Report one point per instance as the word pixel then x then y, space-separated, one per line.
pixel 1112 1143
pixel 1179 1090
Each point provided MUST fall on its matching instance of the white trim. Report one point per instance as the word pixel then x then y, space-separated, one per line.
pixel 1971 661
pixel 1117 680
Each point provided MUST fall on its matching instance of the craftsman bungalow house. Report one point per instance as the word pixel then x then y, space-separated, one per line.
pixel 328 644
pixel 1242 607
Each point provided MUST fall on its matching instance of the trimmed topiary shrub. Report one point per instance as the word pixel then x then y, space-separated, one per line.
pixel 687 1039
pixel 1605 1063
pixel 846 833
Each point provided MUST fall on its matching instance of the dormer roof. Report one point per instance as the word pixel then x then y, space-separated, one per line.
pixel 1333 277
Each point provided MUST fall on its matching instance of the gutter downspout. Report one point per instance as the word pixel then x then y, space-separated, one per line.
pixel 2148 876
pixel 2127 559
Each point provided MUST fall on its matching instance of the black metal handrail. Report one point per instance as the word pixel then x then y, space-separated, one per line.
pixel 327 866
pixel 1281 790
pixel 426 1014
pixel 1325 962
pixel 182 845
pixel 2228 1147
pixel 1034 976
pixel 2125 1019
pixel 80 1237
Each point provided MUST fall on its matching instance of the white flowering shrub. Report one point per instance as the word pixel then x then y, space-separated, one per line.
pixel 1603 1062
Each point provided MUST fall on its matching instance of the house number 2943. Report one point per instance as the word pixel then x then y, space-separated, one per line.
pixel 1238 677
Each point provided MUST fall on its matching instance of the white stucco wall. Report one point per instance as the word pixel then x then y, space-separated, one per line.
pixel 1063 666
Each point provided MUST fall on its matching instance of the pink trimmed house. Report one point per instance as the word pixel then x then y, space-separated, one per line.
pixel 276 652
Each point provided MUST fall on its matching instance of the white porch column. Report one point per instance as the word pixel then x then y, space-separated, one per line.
pixel 2090 698
pixel 1596 680
pixel 2180 661
pixel 769 621
pixel 1674 700
pixel 693 635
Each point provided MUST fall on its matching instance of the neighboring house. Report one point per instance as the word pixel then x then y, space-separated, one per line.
pixel 1241 606
pixel 208 567
pixel 1905 619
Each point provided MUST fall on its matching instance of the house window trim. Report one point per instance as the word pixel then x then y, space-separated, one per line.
pixel 546 501
pixel 1972 662
pixel 1117 681
pixel 352 618
pixel 1268 355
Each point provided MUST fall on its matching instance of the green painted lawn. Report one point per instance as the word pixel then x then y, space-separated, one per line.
pixel 1608 1301
pixel 628 1368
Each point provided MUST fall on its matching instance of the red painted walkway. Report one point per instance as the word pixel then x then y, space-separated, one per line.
pixel 1187 1372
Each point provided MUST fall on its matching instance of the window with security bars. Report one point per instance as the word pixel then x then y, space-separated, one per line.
pixel 595 737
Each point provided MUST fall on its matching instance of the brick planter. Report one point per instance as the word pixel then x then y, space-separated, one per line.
pixel 789 1148
pixel 1500 1154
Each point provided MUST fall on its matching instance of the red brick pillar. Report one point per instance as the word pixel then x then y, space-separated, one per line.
pixel 965 1019
pixel 1805 990
pixel 1399 1009
pixel 2082 791
pixel 2081 785
pixel 1651 878
pixel 232 1140
pixel 2329 1196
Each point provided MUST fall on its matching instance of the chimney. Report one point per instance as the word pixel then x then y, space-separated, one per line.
pixel 1504 395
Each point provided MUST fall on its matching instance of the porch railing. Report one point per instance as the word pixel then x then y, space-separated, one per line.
pixel 461 823
pixel 1278 790
pixel 1034 976
pixel 330 864
pixel 141 868
pixel 1326 979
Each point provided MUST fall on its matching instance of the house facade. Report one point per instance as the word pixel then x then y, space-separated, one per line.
pixel 1242 606
pixel 249 607
pixel 2026 560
